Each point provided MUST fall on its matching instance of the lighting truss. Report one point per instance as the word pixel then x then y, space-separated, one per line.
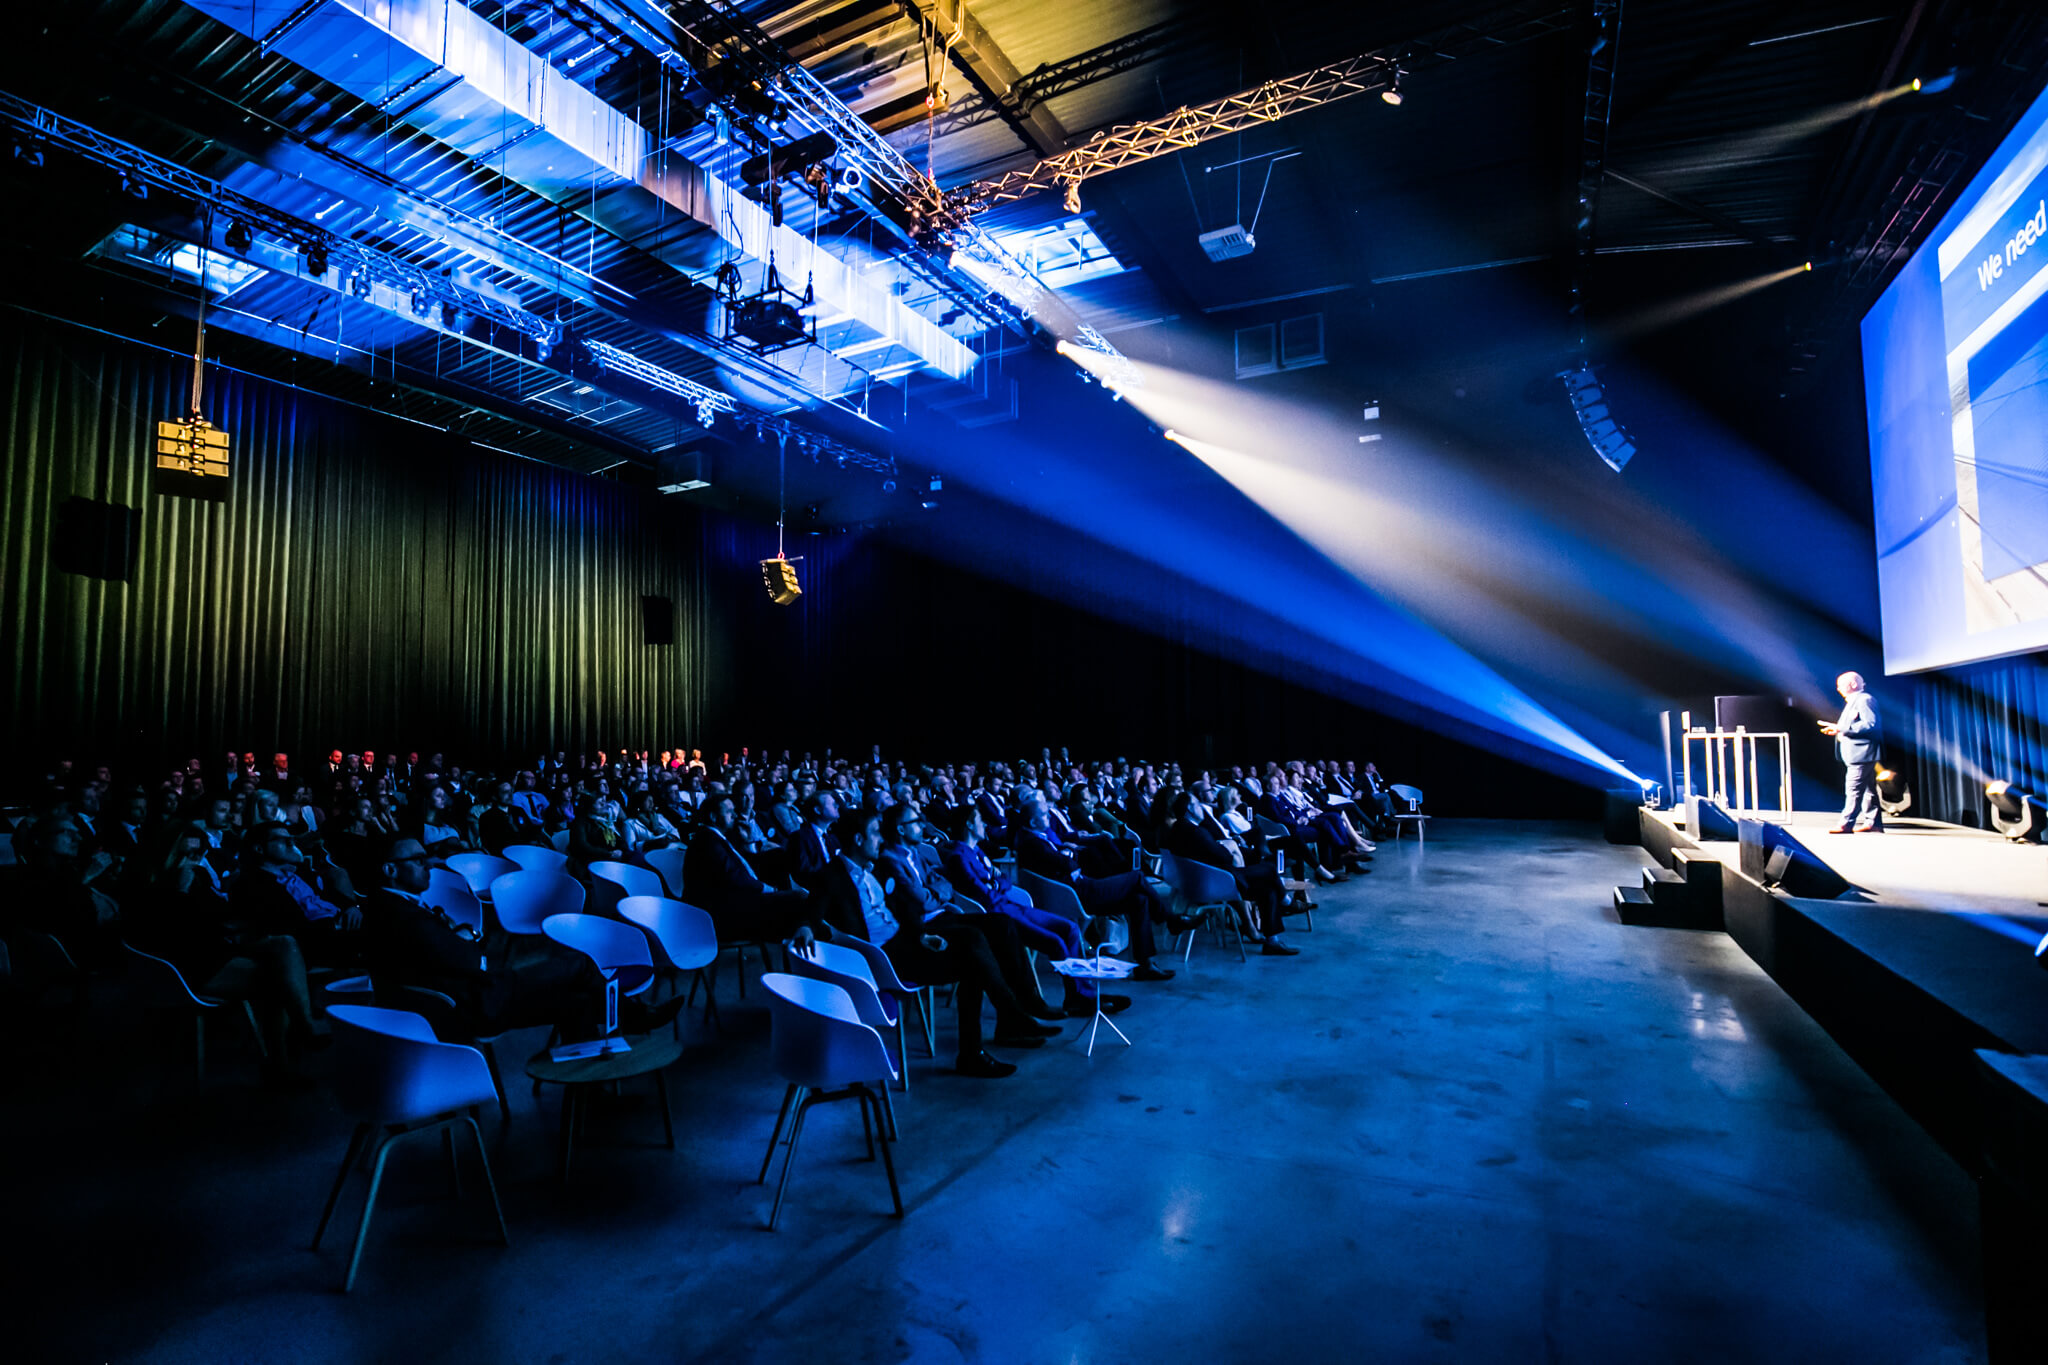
pixel 354 260
pixel 896 193
pixel 711 405
pixel 1195 124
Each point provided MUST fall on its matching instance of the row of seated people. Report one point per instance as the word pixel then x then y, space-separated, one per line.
pixel 242 899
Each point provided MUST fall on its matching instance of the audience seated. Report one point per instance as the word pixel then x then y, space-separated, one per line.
pixel 1127 893
pixel 1192 832
pixel 851 900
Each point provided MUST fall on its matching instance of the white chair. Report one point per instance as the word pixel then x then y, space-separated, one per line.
pixel 1408 810
pixel 7 849
pixel 159 984
pixel 522 900
pixel 534 858
pixel 396 1079
pixel 668 865
pixel 559 841
pixel 1058 897
pixel 1210 894
pixel 684 940
pixel 883 973
pixel 847 968
pixel 610 882
pixel 820 1046
pixel 480 870
pixel 450 1025
pixel 620 950
pixel 448 892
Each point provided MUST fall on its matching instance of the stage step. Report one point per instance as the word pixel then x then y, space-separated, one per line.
pixel 1635 905
pixel 1702 873
pixel 1666 888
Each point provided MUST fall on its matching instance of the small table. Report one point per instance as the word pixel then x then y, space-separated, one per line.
pixel 650 1053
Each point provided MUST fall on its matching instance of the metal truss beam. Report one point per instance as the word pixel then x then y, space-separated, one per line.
pixel 1130 143
pixel 418 296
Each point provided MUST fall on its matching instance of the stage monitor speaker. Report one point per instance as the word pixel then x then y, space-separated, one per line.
pixel 1704 820
pixel 1620 820
pixel 95 539
pixel 658 620
pixel 1796 872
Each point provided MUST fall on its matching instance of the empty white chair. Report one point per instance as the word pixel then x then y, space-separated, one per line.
pixel 532 858
pixel 668 865
pixel 883 973
pixel 620 950
pixel 820 1046
pixel 684 939
pixel 559 841
pixel 480 870
pixel 612 881
pixel 1408 810
pixel 159 984
pixel 847 968
pixel 396 1079
pixel 1210 893
pixel 522 900
pixel 448 892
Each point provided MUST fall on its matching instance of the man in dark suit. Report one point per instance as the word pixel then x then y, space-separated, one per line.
pixel 504 824
pixel 1193 832
pixel 853 901
pixel 921 895
pixel 816 845
pixel 1127 894
pixel 1859 740
pixel 743 908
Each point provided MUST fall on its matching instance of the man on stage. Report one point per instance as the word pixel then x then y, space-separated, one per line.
pixel 1859 739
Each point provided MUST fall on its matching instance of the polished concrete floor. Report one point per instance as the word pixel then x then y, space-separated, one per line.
pixel 1476 1120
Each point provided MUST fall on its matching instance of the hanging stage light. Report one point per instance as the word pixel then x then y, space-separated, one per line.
pixel 1392 94
pixel 238 238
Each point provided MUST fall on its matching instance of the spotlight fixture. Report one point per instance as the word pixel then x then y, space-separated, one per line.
pixel 1072 198
pixel 1392 94
pixel 1934 85
pixel 2013 812
pixel 792 158
pixel 316 260
pixel 1894 794
pixel 238 238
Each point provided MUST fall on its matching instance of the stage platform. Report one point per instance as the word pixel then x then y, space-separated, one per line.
pixel 1919 864
pixel 1921 970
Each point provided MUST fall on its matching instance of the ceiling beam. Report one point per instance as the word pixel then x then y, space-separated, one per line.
pixel 982 60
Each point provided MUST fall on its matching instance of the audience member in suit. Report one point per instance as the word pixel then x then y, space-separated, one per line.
pixel 1192 832
pixel 1103 851
pixel 504 822
pixel 920 895
pixel 852 900
pixel 724 883
pixel 411 943
pixel 53 889
pixel 174 909
pixel 272 896
pixel 816 844
pixel 1127 894
pixel 1306 835
pixel 1043 931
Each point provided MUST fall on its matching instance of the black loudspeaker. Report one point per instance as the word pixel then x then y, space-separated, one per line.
pixel 1620 820
pixel 95 539
pixel 1704 820
pixel 1792 869
pixel 658 620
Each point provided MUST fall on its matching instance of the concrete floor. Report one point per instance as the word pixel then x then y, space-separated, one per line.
pixel 1476 1120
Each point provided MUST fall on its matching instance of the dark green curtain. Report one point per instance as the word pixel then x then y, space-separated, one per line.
pixel 1975 724
pixel 366 582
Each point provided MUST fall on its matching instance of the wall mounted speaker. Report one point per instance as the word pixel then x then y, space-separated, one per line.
pixel 658 620
pixel 95 539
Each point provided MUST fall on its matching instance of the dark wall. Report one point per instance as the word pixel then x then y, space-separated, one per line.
pixel 366 581
pixel 931 661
